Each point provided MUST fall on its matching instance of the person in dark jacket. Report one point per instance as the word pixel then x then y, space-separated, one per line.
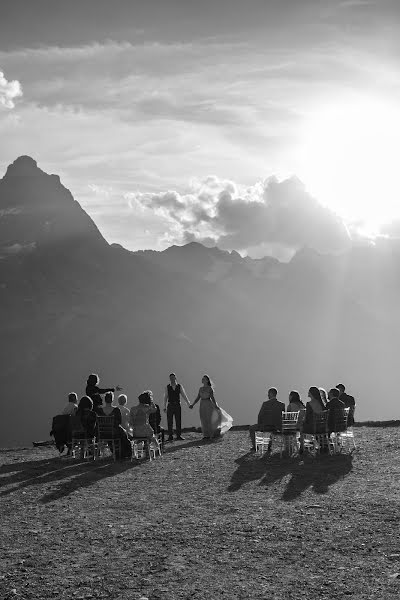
pixel 336 409
pixel 155 424
pixel 348 401
pixel 269 417
pixel 95 392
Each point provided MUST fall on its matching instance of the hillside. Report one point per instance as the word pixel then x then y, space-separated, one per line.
pixel 71 304
pixel 207 520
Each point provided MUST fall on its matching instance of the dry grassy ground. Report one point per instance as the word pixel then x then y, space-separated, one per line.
pixel 208 520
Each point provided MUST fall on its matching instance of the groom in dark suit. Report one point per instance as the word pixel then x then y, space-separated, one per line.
pixel 172 406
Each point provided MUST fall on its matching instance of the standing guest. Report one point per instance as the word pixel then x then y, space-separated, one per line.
pixel 139 417
pixel 269 417
pixel 72 406
pixel 297 405
pixel 172 406
pixel 95 393
pixel 348 401
pixel 124 410
pixel 336 409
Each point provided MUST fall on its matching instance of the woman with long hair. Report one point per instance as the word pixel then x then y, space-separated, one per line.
pixel 315 406
pixel 214 420
pixel 297 405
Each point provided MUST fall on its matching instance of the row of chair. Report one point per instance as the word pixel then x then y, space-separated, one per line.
pixel 290 438
pixel 107 439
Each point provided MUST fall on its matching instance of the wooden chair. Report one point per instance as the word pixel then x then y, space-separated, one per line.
pixel 289 432
pixel 345 439
pixel 108 437
pixel 337 426
pixel 321 432
pixel 263 441
pixel 85 446
pixel 319 438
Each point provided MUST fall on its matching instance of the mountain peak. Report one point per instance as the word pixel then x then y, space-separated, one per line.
pixel 24 166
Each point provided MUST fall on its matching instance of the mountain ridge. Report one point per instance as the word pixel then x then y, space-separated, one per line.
pixel 74 304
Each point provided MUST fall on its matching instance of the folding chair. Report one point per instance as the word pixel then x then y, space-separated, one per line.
pixel 107 437
pixel 289 432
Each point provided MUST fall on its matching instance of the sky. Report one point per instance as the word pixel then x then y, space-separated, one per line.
pixel 260 126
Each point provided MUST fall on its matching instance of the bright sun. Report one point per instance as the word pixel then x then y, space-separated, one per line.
pixel 349 159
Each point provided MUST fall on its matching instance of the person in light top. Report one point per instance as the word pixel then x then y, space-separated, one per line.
pixel 125 413
pixel 72 406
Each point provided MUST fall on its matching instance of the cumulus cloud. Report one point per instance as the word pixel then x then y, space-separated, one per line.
pixel 268 217
pixel 9 90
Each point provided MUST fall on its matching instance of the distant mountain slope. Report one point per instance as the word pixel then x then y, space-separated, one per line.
pixel 71 304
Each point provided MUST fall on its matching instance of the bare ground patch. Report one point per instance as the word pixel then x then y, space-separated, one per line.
pixel 208 520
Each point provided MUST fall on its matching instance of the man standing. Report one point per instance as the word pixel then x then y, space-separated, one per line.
pixel 269 417
pixel 172 406
pixel 348 402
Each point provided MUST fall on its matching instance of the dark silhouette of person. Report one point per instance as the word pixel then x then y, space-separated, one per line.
pixel 95 392
pixel 86 416
pixel 336 409
pixel 155 424
pixel 172 406
pixel 269 417
pixel 315 406
pixel 348 401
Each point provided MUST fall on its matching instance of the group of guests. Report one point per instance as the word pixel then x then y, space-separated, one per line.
pixel 270 415
pixel 141 421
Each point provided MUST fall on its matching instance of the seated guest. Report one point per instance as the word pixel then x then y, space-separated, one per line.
pixel 95 392
pixel 139 417
pixel 314 407
pixel 155 424
pixel 125 413
pixel 296 405
pixel 86 416
pixel 108 408
pixel 269 417
pixel 348 401
pixel 72 405
pixel 324 396
pixel 336 409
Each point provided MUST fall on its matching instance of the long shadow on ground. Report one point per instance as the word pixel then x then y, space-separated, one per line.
pixel 315 473
pixel 70 474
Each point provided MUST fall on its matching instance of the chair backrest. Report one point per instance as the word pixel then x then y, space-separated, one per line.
pixel 289 421
pixel 338 419
pixel 106 429
pixel 320 422
pixel 76 425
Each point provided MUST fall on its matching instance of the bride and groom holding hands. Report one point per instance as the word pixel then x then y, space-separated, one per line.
pixel 214 420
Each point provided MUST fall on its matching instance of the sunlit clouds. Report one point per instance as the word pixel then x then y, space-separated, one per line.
pixel 9 91
pixel 131 114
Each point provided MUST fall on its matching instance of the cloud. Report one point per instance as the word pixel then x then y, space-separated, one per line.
pixel 279 217
pixel 9 90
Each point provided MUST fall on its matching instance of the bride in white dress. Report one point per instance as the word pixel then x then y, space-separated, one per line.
pixel 214 420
